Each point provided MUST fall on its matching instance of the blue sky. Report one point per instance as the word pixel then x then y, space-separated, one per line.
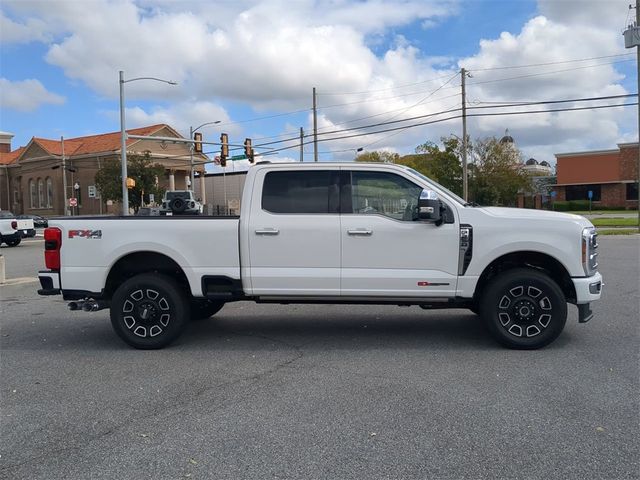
pixel 238 61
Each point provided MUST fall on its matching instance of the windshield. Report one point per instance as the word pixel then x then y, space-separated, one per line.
pixel 5 214
pixel 178 194
pixel 440 187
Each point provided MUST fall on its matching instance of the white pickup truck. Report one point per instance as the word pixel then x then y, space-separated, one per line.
pixel 346 233
pixel 13 229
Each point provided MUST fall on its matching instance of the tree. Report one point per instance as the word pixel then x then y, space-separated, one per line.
pixel 443 166
pixel 378 156
pixel 496 174
pixel 139 167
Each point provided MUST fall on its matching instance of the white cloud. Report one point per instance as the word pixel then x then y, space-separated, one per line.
pixel 270 54
pixel 26 95
pixel 15 32
pixel 543 41
pixel 182 116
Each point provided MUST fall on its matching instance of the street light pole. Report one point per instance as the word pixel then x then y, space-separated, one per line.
pixel 191 132
pixel 123 150
pixel 64 178
pixel 123 137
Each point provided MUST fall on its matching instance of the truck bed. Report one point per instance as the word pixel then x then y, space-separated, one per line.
pixel 199 245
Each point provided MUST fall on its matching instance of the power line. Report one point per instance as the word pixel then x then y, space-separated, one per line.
pixel 546 73
pixel 453 117
pixel 571 100
pixel 417 117
pixel 551 63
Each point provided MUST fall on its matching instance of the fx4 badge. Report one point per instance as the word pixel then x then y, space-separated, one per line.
pixel 85 234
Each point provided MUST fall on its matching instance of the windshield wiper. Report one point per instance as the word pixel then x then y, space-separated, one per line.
pixel 471 204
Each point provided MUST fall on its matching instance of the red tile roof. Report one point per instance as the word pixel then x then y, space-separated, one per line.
pixel 10 157
pixel 106 142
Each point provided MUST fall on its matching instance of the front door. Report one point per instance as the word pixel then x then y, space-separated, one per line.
pixel 294 233
pixel 385 250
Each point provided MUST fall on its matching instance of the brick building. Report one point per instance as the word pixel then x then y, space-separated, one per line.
pixel 611 176
pixel 31 179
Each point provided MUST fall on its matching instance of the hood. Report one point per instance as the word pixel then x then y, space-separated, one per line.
pixel 533 215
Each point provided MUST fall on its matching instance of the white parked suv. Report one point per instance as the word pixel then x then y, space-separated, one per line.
pixel 180 202
pixel 344 233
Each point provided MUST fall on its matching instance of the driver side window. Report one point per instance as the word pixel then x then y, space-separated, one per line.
pixel 382 193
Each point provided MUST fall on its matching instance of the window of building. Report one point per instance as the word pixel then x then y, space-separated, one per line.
pixel 581 192
pixel 33 194
pixel 41 199
pixel 632 191
pixel 301 192
pixel 385 194
pixel 49 192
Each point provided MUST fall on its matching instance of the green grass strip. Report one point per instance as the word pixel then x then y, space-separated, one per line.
pixel 615 222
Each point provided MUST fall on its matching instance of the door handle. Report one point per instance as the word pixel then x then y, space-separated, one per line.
pixel 361 231
pixel 267 231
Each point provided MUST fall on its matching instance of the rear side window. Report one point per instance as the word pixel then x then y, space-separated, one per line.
pixel 301 192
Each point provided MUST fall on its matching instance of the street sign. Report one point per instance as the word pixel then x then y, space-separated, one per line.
pixel 238 157
pixel 590 194
pixel 92 191
pixel 152 198
pixel 73 202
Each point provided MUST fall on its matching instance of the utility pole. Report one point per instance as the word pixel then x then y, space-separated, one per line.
pixel 465 178
pixel 301 144
pixel 632 39
pixel 64 178
pixel 638 80
pixel 192 177
pixel 315 127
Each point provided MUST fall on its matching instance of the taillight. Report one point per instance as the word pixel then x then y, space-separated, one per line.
pixel 14 225
pixel 52 245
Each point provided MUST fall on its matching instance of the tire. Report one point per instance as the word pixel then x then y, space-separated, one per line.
pixel 13 243
pixel 524 309
pixel 203 309
pixel 177 205
pixel 149 311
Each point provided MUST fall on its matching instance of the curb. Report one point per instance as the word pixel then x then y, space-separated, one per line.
pixel 19 281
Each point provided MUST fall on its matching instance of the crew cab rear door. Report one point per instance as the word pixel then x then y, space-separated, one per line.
pixel 294 232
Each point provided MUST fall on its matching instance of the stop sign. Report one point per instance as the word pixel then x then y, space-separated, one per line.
pixel 73 202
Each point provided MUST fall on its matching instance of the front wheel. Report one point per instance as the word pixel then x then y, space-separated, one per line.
pixel 524 309
pixel 149 311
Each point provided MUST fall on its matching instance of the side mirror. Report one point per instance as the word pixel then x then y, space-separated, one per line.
pixel 429 207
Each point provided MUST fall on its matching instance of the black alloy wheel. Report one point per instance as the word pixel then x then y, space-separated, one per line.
pixel 149 311
pixel 524 309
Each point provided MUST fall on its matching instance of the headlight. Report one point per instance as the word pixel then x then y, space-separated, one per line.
pixel 589 251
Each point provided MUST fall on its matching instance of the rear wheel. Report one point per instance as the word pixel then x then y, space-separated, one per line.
pixel 13 243
pixel 149 311
pixel 524 309
pixel 203 309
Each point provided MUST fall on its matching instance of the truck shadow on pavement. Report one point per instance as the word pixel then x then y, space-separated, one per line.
pixel 352 332
pixel 450 330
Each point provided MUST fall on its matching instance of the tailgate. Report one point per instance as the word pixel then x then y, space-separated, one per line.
pixel 25 224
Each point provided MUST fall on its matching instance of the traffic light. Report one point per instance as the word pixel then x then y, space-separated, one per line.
pixel 248 149
pixel 224 149
pixel 197 146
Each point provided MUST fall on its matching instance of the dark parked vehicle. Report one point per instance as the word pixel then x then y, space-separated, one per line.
pixel 38 221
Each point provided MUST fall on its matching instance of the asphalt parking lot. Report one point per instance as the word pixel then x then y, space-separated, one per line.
pixel 335 392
